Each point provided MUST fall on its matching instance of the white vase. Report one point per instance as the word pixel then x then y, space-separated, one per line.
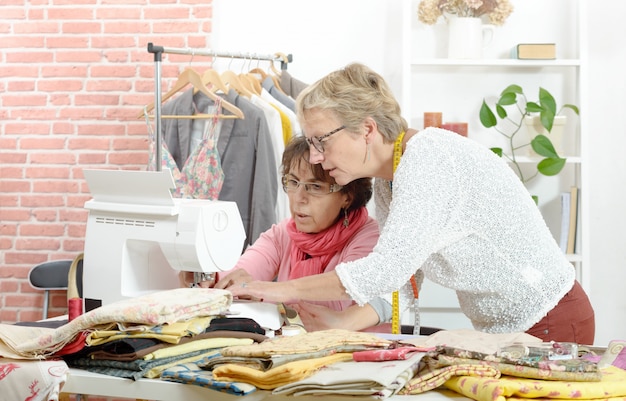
pixel 534 128
pixel 467 37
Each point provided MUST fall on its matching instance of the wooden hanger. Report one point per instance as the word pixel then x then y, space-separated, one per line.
pixel 252 83
pixel 232 80
pixel 212 78
pixel 189 76
pixel 259 71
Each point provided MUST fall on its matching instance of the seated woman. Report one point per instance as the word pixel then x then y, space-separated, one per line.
pixel 329 224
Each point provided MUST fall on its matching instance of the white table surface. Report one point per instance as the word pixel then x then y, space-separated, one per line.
pixel 84 382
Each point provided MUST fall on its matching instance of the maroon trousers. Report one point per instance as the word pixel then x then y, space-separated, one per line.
pixel 571 320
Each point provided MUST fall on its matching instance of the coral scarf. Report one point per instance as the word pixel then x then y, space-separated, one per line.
pixel 310 253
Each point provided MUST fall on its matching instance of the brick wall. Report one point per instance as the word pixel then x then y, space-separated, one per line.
pixel 74 74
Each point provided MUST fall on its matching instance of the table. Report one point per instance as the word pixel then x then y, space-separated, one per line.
pixel 84 382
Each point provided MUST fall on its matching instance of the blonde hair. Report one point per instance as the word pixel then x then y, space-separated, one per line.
pixel 353 94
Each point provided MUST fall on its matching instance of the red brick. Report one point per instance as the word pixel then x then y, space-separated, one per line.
pixel 65 85
pixel 45 215
pixel 36 27
pixel 41 230
pixel 52 158
pixel 21 128
pixel 11 172
pixel 62 186
pixel 23 100
pixel 38 142
pixel 37 244
pixel 37 200
pixel 47 172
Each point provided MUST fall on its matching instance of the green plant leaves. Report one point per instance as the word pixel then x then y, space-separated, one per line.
pixel 543 146
pixel 552 164
pixel 487 118
pixel 512 105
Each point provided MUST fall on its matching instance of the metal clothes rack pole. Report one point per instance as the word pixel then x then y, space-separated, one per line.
pixel 158 53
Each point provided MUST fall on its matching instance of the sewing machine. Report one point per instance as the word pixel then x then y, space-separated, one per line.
pixel 139 237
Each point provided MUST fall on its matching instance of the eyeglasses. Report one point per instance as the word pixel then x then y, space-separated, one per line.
pixel 318 141
pixel 290 184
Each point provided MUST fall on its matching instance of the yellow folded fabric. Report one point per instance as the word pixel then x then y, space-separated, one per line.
pixel 279 376
pixel 169 333
pixel 613 384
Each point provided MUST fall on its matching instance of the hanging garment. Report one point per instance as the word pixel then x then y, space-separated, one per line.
pixel 292 86
pixel 288 101
pixel 201 176
pixel 246 153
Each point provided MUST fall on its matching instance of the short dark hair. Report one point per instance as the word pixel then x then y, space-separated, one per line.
pixel 297 152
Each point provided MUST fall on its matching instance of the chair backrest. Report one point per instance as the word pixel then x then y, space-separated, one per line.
pixel 53 275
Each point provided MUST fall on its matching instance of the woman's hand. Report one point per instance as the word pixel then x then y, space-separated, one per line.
pixel 234 278
pixel 268 291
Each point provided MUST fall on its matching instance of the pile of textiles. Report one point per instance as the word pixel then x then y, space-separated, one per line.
pixel 135 314
pixel 349 363
pixel 314 363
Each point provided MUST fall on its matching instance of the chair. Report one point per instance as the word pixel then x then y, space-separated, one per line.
pixel 53 275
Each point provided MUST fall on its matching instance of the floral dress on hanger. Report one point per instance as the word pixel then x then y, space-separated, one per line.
pixel 202 176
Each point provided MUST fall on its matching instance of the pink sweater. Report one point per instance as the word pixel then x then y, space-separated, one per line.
pixel 268 258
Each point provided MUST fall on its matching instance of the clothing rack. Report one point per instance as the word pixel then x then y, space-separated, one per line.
pixel 158 56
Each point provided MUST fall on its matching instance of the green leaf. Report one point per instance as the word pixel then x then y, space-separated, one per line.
pixel 487 118
pixel 533 107
pixel 542 145
pixel 551 166
pixel 547 119
pixel 514 89
pixel 501 111
pixel 536 199
pixel 547 101
pixel 572 107
pixel 507 99
pixel 497 151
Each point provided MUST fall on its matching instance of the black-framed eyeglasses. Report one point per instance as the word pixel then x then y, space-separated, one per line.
pixel 290 184
pixel 318 141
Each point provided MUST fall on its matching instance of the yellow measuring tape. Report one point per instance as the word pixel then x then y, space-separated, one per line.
pixel 395 298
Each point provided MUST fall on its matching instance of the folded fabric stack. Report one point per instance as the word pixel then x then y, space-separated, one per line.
pixel 159 308
pixel 282 364
pixel 146 353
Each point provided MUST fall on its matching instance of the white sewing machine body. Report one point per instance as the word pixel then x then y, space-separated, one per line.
pixel 138 236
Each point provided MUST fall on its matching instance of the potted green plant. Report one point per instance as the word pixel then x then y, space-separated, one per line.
pixel 513 107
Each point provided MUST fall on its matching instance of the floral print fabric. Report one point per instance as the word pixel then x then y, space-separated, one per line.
pixel 158 308
pixel 202 176
pixel 612 385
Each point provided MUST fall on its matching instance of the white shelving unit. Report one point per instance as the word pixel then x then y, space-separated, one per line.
pixel 431 82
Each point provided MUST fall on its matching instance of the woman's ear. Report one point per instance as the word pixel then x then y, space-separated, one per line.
pixel 370 126
pixel 349 198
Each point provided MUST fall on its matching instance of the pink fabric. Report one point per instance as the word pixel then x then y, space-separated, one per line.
pixel 269 257
pixel 311 252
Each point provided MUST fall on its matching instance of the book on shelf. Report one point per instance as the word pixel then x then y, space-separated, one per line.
pixel 534 51
pixel 565 204
pixel 573 220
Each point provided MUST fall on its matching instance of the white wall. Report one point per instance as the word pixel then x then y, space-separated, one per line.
pixel 606 105
pixel 324 35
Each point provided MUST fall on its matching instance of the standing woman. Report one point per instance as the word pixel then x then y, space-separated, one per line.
pixel 447 206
